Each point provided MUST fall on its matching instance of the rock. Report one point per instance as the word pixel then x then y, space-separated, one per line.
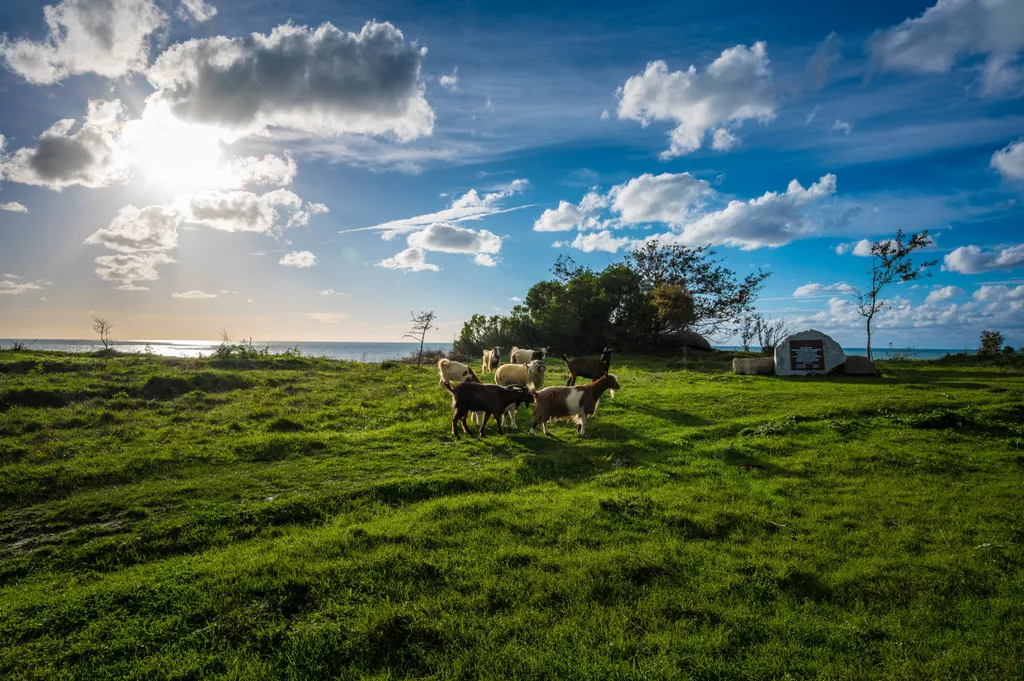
pixel 807 353
pixel 689 339
pixel 859 366
pixel 754 366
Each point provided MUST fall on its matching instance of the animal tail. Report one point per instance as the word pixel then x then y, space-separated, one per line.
pixel 447 386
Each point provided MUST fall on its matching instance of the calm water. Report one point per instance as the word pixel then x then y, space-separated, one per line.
pixel 360 352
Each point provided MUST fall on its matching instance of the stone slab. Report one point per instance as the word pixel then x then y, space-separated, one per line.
pixel 859 366
pixel 754 366
pixel 808 353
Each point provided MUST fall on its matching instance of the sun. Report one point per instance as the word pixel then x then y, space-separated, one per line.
pixel 176 155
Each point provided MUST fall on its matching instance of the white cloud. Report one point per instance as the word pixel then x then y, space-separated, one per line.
pixel 973 260
pixel 813 114
pixel 825 54
pixel 770 220
pixel 249 300
pixel 943 293
pixel 667 198
pixel 10 276
pixel 322 81
pixel 1010 161
pixel 723 140
pixel 13 207
pixel 952 30
pixel 737 86
pixel 106 37
pixel 327 317
pixel 842 126
pixel 816 289
pixel 242 211
pixel 270 170
pixel 862 248
pixel 193 295
pixel 317 208
pixel 298 259
pixel 410 259
pixel 996 294
pixel 469 206
pixel 450 81
pixel 843 249
pixel 516 299
pixel 330 292
pixel 599 241
pixel 562 219
pixel 14 288
pixel 128 268
pixel 91 156
pixel 448 238
pixel 198 10
pixel 153 228
pixel 485 260
pixel 228 293
pixel 605 115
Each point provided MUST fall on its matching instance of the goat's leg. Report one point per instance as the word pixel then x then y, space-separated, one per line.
pixel 462 418
pixel 455 420
pixel 581 428
pixel 484 423
pixel 498 421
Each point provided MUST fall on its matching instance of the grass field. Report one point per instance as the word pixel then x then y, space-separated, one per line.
pixel 313 519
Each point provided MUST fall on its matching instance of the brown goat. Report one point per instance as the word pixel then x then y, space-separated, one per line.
pixel 588 368
pixel 492 400
pixel 577 403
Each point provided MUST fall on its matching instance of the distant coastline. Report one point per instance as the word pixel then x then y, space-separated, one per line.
pixel 353 351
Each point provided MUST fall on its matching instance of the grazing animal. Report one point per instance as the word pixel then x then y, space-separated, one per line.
pixel 525 356
pixel 577 403
pixel 529 375
pixel 492 400
pixel 588 368
pixel 492 360
pixel 452 371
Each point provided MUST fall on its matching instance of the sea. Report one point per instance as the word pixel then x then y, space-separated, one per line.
pixel 358 352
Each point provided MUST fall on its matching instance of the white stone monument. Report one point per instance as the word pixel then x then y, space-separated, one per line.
pixel 807 353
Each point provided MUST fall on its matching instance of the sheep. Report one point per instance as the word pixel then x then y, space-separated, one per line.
pixel 492 360
pixel 492 400
pixel 588 368
pixel 518 374
pixel 450 370
pixel 525 356
pixel 577 403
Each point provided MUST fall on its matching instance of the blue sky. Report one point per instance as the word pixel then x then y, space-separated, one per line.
pixel 164 167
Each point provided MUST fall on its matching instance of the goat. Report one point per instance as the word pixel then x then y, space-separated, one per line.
pixel 588 368
pixel 492 400
pixel 525 356
pixel 450 371
pixel 577 403
pixel 492 360
pixel 529 375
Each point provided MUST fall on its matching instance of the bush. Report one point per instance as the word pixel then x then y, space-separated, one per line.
pixel 991 341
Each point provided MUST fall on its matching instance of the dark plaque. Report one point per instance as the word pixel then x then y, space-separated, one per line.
pixel 807 355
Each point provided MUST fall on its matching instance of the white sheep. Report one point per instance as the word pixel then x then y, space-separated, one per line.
pixel 525 355
pixel 528 375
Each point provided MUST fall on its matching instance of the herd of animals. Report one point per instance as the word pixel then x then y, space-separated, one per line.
pixel 520 382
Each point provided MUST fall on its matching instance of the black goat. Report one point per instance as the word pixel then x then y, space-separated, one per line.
pixel 492 400
pixel 588 368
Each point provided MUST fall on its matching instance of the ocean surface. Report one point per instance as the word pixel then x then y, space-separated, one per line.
pixel 359 352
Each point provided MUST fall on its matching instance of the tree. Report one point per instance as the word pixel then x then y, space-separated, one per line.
pixel 719 298
pixel 891 262
pixel 748 330
pixel 991 342
pixel 675 307
pixel 103 327
pixel 420 325
pixel 770 332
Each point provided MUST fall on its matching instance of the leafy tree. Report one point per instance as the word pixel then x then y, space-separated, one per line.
pixel 891 261
pixel 991 342
pixel 421 323
pixel 719 298
pixel 675 307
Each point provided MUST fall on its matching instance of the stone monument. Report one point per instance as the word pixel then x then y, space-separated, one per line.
pixel 807 353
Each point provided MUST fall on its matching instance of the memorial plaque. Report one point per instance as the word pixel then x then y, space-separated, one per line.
pixel 807 355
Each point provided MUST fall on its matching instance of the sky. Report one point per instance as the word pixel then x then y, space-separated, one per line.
pixel 316 170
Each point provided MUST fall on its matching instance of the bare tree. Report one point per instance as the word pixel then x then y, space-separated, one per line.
pixel 420 325
pixel 770 332
pixel 891 262
pixel 748 330
pixel 103 327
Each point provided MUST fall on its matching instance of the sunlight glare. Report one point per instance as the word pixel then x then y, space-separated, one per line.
pixel 176 155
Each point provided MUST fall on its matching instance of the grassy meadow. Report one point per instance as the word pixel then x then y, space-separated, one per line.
pixel 296 518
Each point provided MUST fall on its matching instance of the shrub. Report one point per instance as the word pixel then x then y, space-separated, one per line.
pixel 991 341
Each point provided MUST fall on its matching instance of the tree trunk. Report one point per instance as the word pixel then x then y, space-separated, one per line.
pixel 419 360
pixel 869 339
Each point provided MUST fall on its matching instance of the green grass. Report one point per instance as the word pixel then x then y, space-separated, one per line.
pixel 309 519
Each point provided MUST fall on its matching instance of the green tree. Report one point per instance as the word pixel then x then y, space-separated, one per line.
pixel 991 342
